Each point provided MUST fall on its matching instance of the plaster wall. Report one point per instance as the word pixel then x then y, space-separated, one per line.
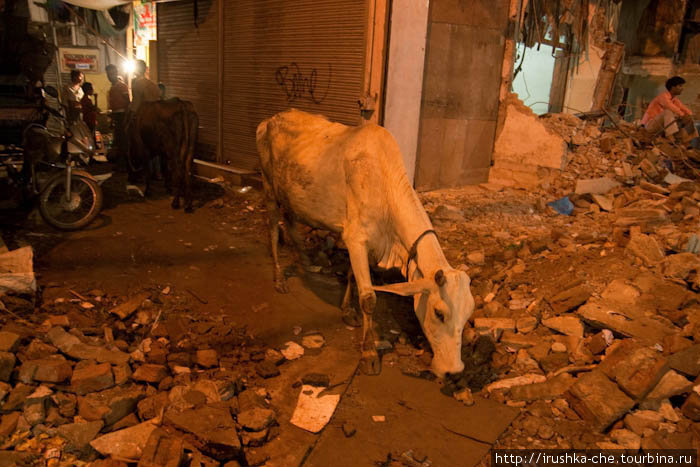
pixel 407 40
pixel 579 90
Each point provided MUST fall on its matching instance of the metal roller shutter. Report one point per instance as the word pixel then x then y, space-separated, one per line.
pixel 187 63
pixel 307 54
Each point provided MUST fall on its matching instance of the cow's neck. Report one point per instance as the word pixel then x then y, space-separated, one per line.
pixel 409 225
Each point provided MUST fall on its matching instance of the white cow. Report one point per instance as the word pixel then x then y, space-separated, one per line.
pixel 352 180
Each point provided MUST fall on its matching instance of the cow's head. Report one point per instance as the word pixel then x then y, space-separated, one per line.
pixel 443 304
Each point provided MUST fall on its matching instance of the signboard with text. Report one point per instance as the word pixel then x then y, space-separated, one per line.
pixel 86 60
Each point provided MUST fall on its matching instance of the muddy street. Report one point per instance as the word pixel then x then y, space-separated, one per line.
pixel 199 307
pixel 159 333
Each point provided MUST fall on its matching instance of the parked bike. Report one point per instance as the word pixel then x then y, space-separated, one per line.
pixel 69 199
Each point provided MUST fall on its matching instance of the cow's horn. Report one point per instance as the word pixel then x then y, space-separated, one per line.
pixel 440 278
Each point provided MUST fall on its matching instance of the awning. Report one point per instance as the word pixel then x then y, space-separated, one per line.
pixel 97 4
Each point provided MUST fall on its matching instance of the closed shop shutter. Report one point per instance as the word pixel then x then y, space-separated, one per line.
pixel 187 63
pixel 306 54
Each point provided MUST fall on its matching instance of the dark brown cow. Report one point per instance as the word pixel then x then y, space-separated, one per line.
pixel 168 129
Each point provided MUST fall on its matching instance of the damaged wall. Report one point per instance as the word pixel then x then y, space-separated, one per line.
pixel 582 81
pixel 524 145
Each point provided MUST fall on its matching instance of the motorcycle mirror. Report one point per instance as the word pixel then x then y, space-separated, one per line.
pixel 51 91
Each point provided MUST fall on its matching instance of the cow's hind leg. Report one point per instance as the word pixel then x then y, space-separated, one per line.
pixel 187 181
pixel 297 239
pixel 274 217
pixel 351 316
pixel 192 128
pixel 357 248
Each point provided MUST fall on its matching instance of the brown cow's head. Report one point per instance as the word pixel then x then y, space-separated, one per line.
pixel 443 304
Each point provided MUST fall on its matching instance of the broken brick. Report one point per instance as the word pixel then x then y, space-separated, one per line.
pixel 150 373
pixel 7 364
pixel 9 341
pixel 207 358
pixel 92 378
pixel 162 450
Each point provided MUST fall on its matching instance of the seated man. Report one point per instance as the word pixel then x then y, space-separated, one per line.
pixel 666 112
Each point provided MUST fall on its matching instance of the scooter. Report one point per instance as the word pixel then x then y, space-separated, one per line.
pixel 68 200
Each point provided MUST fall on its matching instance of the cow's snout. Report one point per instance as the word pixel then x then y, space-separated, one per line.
pixel 447 371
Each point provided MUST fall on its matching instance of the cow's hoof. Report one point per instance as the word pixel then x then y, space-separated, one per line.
pixel 352 317
pixel 281 286
pixel 189 210
pixel 370 363
pixel 175 205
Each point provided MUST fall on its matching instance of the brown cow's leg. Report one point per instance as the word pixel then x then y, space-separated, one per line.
pixel 370 363
pixel 187 180
pixel 351 316
pixel 274 218
pixel 192 130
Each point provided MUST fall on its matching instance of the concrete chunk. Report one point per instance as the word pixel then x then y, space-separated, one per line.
pixel 73 347
pixel 127 444
pixel 598 400
pixel 609 315
pixel 127 308
pixel 92 378
pixel 598 186
pixel 150 373
pixel 636 369
pixel 551 389
pixel 79 435
pixel 646 248
pixel 7 364
pixel 9 341
pixel 568 325
pixel 17 271
pixel 686 361
pixel 162 450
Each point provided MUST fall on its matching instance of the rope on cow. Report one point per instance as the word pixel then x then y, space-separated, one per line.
pixel 414 248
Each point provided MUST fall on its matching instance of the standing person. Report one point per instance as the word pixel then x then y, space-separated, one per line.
pixel 89 108
pixel 73 94
pixel 666 112
pixel 145 90
pixel 118 99
pixel 142 88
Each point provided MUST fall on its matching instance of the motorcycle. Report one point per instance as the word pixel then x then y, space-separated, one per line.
pixel 70 199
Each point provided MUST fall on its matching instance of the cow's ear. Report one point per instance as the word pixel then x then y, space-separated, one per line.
pixel 407 289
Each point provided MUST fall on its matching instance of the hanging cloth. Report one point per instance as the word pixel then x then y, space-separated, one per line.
pixel 97 4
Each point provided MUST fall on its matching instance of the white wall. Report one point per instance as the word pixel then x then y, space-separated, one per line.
pixel 534 81
pixel 404 84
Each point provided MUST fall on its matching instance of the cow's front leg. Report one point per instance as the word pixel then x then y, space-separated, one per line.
pixel 147 174
pixel 351 316
pixel 370 363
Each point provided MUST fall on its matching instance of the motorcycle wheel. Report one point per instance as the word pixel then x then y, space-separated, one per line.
pixel 84 205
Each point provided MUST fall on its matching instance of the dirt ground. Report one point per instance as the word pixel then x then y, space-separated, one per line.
pixel 209 275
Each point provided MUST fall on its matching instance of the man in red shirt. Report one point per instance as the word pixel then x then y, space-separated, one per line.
pixel 118 98
pixel 666 112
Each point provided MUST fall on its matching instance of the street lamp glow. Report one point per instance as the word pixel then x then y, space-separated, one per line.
pixel 128 66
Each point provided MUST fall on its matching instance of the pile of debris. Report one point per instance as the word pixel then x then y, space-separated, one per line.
pixel 622 152
pixel 84 378
pixel 595 317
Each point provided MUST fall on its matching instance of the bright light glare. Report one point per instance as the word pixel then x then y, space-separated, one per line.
pixel 128 66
